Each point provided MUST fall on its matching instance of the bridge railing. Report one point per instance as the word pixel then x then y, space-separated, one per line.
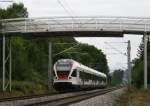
pixel 60 24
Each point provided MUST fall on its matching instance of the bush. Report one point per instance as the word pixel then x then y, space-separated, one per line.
pixel 27 87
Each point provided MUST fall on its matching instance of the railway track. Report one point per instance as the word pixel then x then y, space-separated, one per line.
pixel 31 96
pixel 23 97
pixel 63 99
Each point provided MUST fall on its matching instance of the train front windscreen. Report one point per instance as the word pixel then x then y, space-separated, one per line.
pixel 63 70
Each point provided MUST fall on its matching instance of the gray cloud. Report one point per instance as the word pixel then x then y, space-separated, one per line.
pixel 42 8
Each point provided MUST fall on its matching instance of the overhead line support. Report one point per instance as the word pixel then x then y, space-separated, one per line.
pixel 4 47
pixel 7 79
pixel 145 60
pixel 50 67
pixel 129 63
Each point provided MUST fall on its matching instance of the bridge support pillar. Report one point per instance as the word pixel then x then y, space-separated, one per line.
pixel 145 61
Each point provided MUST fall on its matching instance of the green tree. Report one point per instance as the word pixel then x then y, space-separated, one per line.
pixel 138 68
pixel 95 58
pixel 117 77
pixel 14 11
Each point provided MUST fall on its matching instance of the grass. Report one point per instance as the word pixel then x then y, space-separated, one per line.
pixel 135 97
pixel 22 88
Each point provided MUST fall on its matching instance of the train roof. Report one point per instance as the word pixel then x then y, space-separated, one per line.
pixel 88 69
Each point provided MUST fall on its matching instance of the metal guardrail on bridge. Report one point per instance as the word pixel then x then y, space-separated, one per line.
pixel 133 25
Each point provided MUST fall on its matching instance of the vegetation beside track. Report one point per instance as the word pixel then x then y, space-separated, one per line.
pixel 135 97
pixel 30 56
pixel 138 64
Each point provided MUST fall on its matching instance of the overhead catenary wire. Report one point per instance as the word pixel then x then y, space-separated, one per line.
pixel 66 10
pixel 117 52
pixel 122 66
pixel 113 53
pixel 117 42
pixel 65 43
pixel 69 7
pixel 66 50
pixel 115 49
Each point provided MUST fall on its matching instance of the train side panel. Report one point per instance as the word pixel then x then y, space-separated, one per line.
pixel 78 77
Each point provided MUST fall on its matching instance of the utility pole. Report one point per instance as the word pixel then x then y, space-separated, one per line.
pixel 129 63
pixel 7 74
pixel 3 62
pixel 50 69
pixel 4 85
pixel 10 66
pixel 145 61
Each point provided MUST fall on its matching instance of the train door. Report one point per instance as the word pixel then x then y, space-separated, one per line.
pixel 83 77
pixel 79 77
pixel 77 74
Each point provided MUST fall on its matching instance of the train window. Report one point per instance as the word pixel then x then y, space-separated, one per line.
pixel 81 75
pixel 74 73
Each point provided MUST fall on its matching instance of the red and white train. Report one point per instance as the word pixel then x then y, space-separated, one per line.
pixel 71 74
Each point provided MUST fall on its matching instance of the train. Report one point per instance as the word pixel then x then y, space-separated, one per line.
pixel 70 74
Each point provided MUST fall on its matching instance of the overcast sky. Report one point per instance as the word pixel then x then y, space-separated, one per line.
pixel 136 8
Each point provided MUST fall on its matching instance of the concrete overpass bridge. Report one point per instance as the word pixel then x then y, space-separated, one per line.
pixel 75 26
pixel 98 26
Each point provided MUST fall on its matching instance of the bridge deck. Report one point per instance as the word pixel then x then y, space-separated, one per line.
pixel 75 26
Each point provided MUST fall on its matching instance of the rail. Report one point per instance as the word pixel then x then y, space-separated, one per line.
pixel 46 98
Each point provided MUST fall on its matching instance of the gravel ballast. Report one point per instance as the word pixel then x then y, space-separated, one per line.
pixel 108 99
